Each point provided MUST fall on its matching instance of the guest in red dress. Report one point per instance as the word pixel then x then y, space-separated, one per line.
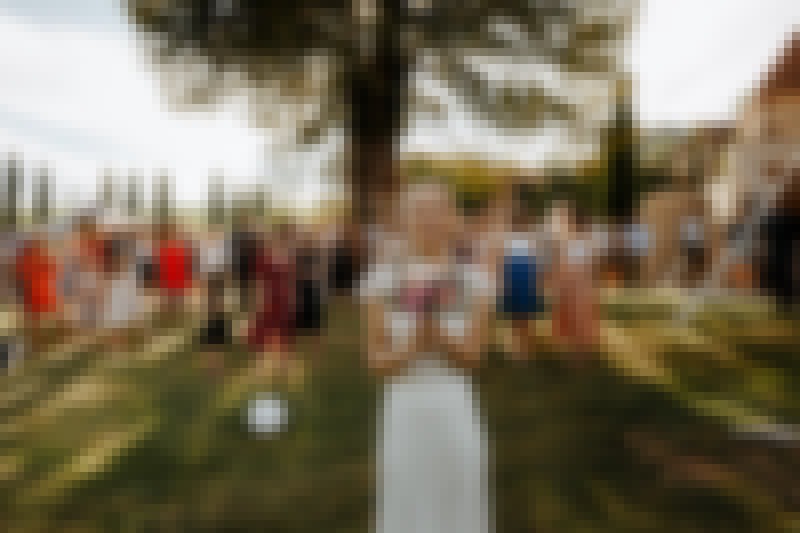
pixel 174 267
pixel 273 328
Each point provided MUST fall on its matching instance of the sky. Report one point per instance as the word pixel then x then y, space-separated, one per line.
pixel 78 93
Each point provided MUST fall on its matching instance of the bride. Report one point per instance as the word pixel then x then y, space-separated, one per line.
pixel 427 322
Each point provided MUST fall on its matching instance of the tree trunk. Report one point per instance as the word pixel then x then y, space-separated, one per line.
pixel 377 98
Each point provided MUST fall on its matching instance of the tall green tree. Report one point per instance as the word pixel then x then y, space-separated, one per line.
pixel 356 61
pixel 14 184
pixel 108 190
pixel 217 214
pixel 42 196
pixel 164 197
pixel 261 201
pixel 624 168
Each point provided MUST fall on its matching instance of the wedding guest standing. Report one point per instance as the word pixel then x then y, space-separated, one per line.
pixel 575 321
pixel 244 248
pixel 37 272
pixel 123 304
pixel 347 251
pixel 273 327
pixel 311 290
pixel 520 300
pixel 215 334
pixel 175 268
pixel 90 249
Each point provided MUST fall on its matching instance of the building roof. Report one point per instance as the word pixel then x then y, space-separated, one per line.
pixel 783 77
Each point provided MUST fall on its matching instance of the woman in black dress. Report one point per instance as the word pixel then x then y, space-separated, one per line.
pixel 244 251
pixel 344 262
pixel 311 291
pixel 215 336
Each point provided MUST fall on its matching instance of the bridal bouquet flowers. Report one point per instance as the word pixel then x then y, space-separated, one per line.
pixel 423 297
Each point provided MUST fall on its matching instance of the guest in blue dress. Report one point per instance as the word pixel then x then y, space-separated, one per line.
pixel 520 299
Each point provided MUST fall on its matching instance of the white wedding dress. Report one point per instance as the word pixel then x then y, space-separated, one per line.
pixel 433 449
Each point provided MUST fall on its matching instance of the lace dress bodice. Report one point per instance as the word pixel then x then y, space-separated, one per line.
pixel 391 282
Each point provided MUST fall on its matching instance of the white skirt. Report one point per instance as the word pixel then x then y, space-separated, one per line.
pixel 433 476
pixel 123 306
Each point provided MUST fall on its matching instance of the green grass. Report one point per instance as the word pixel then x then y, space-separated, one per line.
pixel 618 449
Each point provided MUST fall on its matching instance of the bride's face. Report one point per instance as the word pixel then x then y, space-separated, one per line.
pixel 429 216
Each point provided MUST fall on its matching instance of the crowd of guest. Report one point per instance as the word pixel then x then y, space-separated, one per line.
pixel 110 279
pixel 269 286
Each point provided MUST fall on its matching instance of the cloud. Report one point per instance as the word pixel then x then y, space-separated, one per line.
pixel 78 91
pixel 93 95
pixel 697 60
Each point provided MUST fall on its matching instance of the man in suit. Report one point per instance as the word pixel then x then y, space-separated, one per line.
pixel 780 234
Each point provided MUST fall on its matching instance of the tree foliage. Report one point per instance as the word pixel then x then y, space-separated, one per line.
pixel 318 66
pixel 286 49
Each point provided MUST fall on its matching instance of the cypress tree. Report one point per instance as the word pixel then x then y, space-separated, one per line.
pixel 133 200
pixel 216 200
pixel 13 191
pixel 261 201
pixel 41 201
pixel 164 200
pixel 623 161
pixel 107 194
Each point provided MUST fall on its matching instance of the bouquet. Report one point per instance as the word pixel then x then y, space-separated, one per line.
pixel 426 297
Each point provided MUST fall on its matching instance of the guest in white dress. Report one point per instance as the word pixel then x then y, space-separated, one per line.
pixel 215 261
pixel 427 321
pixel 122 298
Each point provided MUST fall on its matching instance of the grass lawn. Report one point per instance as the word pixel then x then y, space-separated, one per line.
pixel 642 442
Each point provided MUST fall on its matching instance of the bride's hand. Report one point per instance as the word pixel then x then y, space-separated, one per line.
pixel 426 331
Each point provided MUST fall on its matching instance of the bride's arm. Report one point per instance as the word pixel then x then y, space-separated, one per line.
pixel 465 338
pixel 466 351
pixel 384 357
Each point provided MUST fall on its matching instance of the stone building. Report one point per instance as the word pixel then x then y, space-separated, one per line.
pixel 740 170
pixel 764 155
pixel 663 211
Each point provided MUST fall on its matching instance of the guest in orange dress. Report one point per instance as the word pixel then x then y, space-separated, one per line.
pixel 37 271
pixel 575 309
